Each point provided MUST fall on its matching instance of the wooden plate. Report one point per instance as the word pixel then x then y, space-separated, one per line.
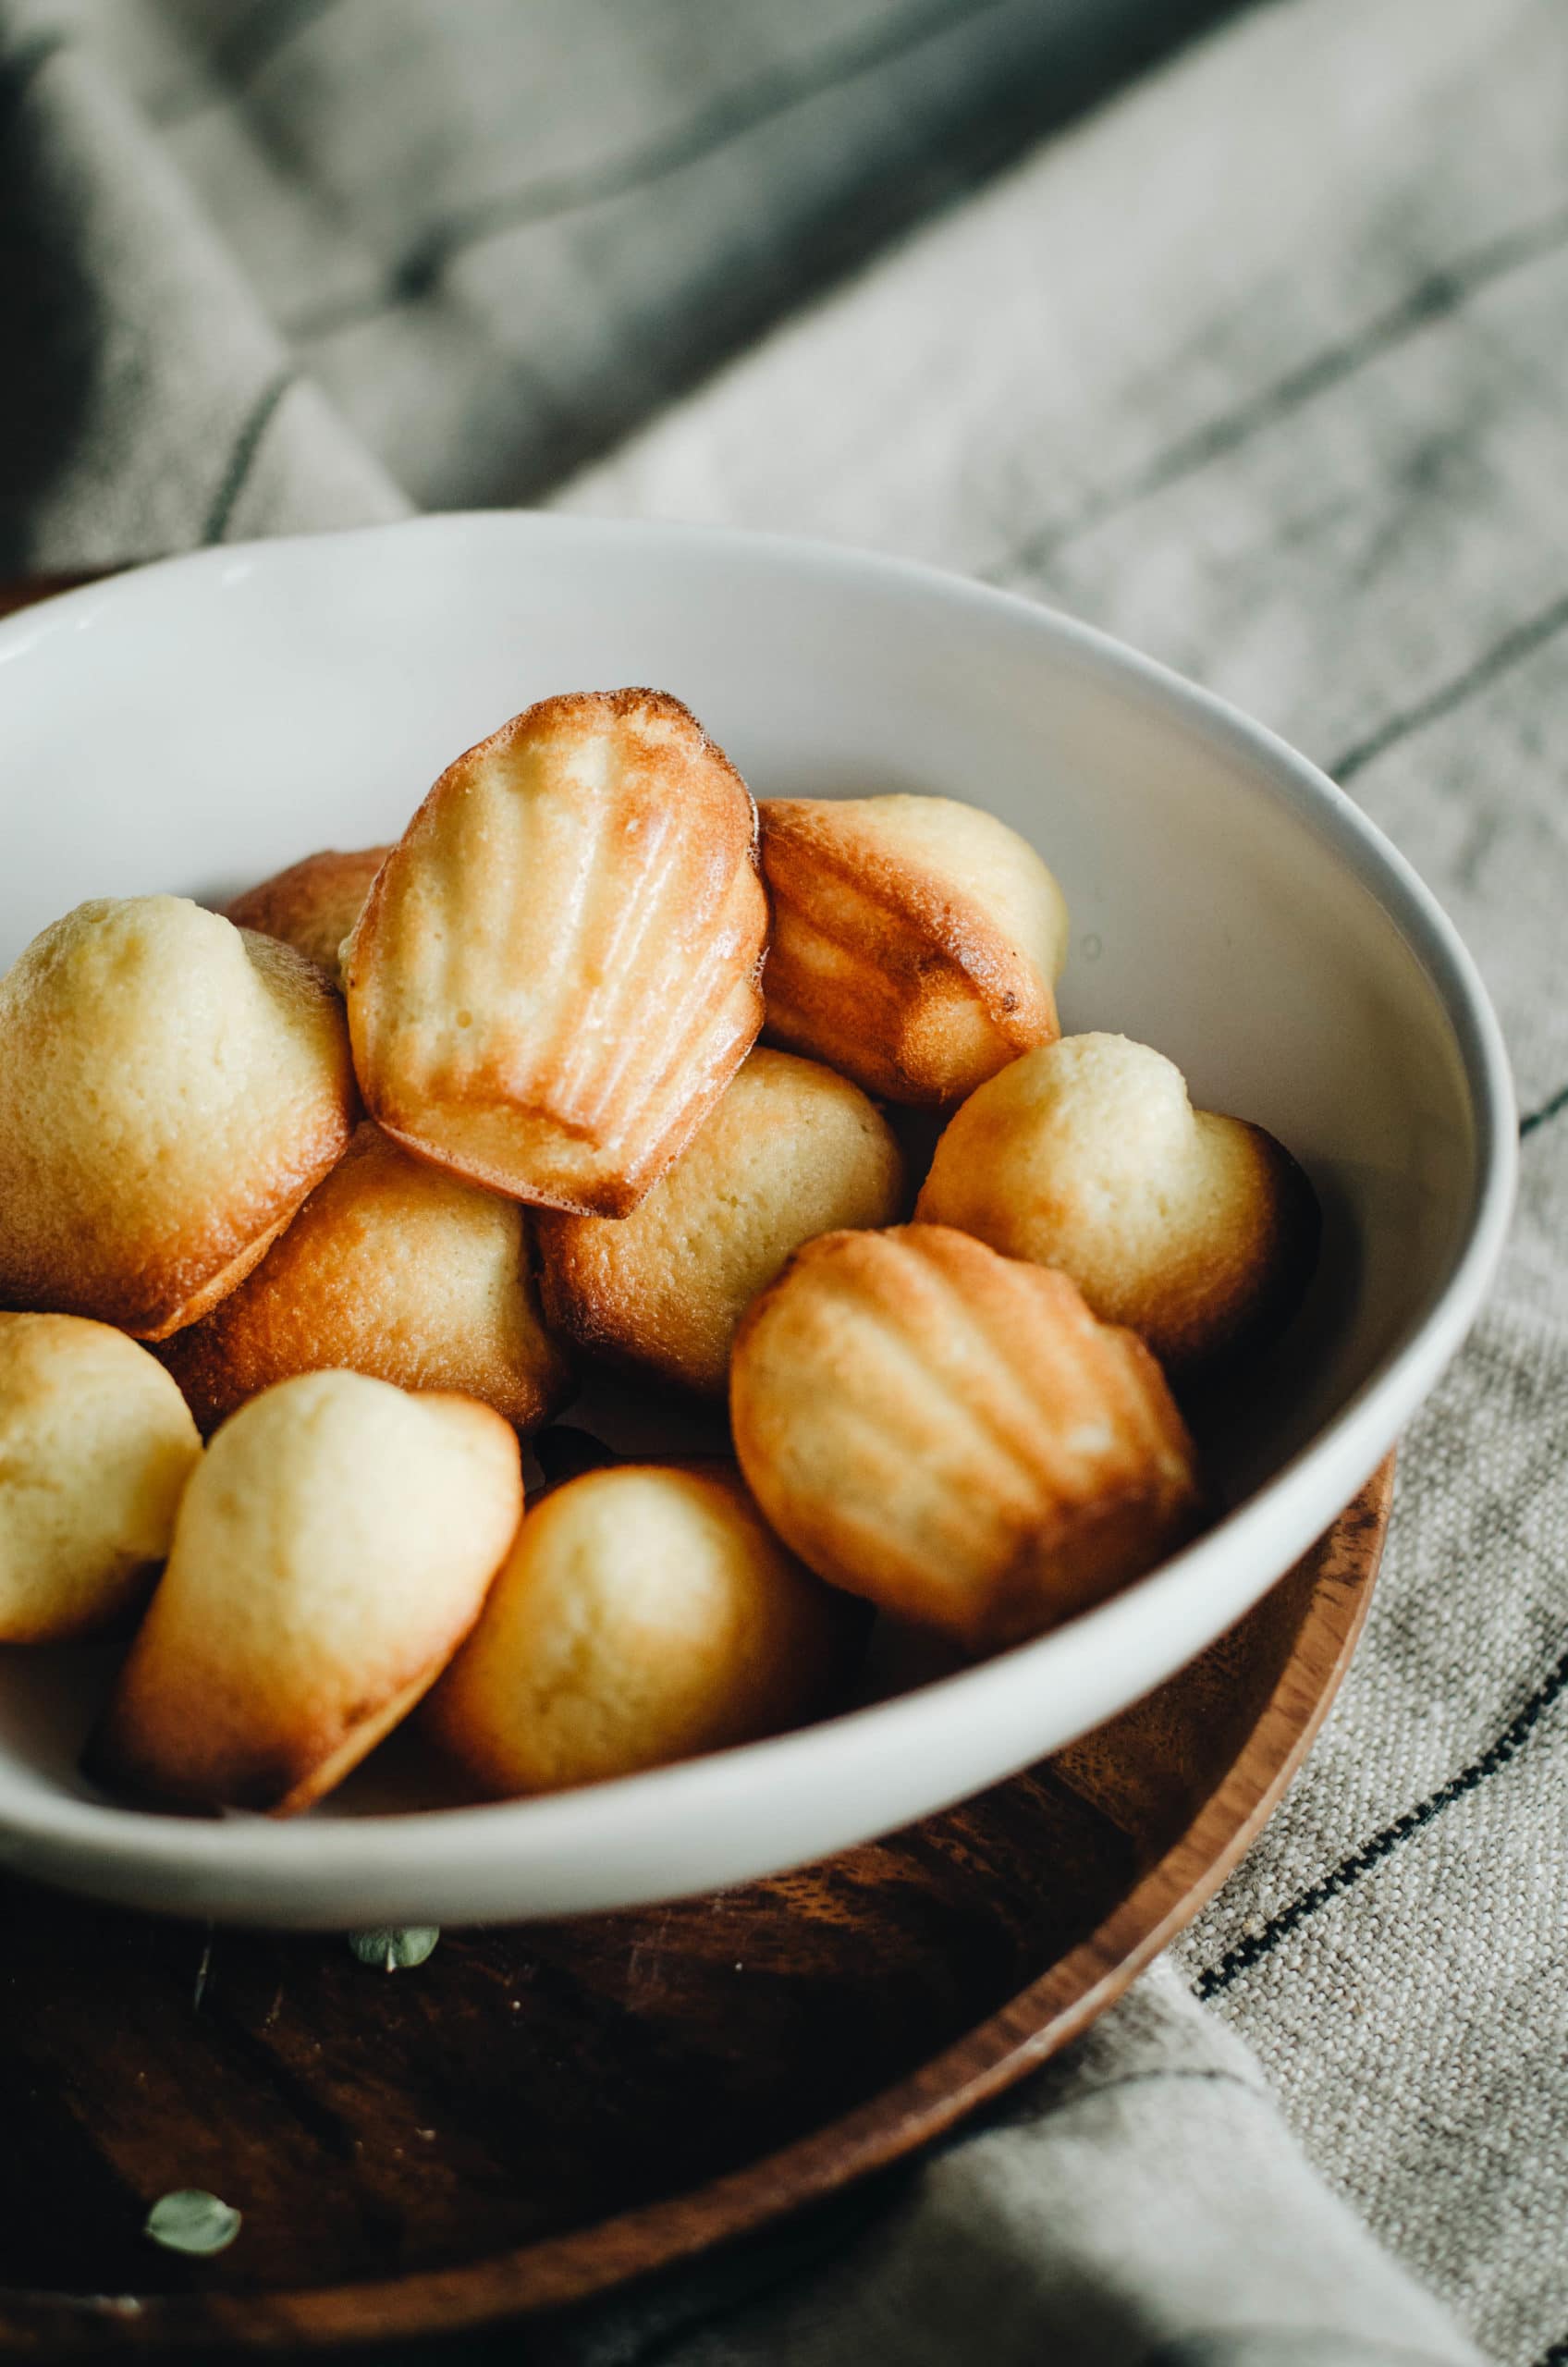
pixel 535 2115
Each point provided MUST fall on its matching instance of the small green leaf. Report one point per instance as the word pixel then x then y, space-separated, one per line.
pixel 395 1951
pixel 190 2221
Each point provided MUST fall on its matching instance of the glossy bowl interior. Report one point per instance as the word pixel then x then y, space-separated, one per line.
pixel 199 724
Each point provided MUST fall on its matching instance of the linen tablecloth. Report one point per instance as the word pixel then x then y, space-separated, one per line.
pixel 1243 333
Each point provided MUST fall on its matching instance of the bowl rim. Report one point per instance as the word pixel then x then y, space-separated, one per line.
pixel 310 1856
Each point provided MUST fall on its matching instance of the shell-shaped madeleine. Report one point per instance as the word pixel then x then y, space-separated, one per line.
pixel 792 1150
pixel 644 1614
pixel 171 1087
pixel 313 904
pixel 917 942
pixel 331 1553
pixel 1197 1230
pixel 555 974
pixel 391 1269
pixel 953 1435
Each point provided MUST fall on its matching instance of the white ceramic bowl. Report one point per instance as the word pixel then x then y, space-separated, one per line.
pixel 199 724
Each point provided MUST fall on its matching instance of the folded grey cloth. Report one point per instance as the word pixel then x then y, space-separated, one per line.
pixel 1258 363
pixel 1139 2201
pixel 247 247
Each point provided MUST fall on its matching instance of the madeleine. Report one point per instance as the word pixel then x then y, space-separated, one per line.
pixel 313 904
pixel 555 975
pixel 329 1556
pixel 954 1436
pixel 96 1446
pixel 644 1614
pixel 391 1269
pixel 792 1150
pixel 917 942
pixel 1199 1232
pixel 171 1088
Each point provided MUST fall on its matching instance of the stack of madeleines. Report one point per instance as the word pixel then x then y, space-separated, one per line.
pixel 381 1162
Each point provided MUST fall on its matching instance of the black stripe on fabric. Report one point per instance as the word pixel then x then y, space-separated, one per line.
pixel 261 33
pixel 704 134
pixel 1016 116
pixel 1556 2357
pixel 1442 293
pixel 242 459
pixel 1543 1115
pixel 1521 642
pixel 1259 1945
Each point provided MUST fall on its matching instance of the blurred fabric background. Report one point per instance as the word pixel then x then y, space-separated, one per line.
pixel 497 235
pixel 1239 331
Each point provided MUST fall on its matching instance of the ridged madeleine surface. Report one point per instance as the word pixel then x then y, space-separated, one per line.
pixel 313 904
pixel 391 1269
pixel 953 1435
pixel 792 1150
pixel 1197 1230
pixel 332 1552
pixel 171 1087
pixel 644 1614
pixel 555 976
pixel 95 1450
pixel 917 942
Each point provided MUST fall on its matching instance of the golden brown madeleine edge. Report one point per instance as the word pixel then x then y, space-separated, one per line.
pixel 926 942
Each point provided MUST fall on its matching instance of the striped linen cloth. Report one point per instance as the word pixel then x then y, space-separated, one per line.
pixel 1241 334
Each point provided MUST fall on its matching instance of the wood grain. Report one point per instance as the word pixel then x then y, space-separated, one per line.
pixel 536 2116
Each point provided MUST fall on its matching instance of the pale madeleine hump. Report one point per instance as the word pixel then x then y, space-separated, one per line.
pixel 1198 1231
pixel 171 1087
pixel 644 1614
pixel 391 1269
pixel 953 1435
pixel 792 1150
pixel 333 1549
pixel 313 904
pixel 95 1451
pixel 555 974
pixel 917 941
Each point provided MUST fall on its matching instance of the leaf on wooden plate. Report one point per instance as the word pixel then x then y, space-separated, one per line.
pixel 395 1951
pixel 192 2221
